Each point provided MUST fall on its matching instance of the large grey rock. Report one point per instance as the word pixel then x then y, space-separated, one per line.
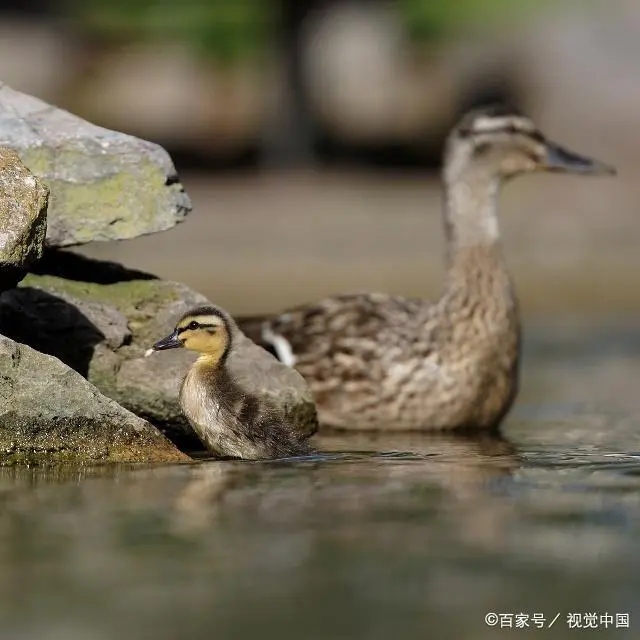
pixel 104 185
pixel 50 412
pixel 23 218
pixel 102 324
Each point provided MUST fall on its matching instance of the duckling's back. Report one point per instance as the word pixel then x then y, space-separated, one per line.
pixel 231 422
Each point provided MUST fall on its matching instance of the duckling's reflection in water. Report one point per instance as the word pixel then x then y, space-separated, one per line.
pixel 198 504
pixel 361 480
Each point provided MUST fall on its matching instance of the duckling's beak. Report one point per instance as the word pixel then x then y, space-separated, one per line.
pixel 558 158
pixel 170 342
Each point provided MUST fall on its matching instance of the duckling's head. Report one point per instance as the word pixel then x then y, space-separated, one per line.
pixel 206 330
pixel 499 142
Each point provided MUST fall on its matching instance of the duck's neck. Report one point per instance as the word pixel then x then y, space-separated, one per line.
pixel 212 370
pixel 475 268
pixel 471 220
pixel 211 361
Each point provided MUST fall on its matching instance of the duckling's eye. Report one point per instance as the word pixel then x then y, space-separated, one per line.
pixel 193 325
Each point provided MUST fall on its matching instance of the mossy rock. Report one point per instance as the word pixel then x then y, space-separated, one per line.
pixel 104 185
pixel 48 412
pixel 23 218
pixel 100 318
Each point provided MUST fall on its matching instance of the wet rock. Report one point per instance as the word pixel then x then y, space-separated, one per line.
pixel 23 218
pixel 102 324
pixel 104 185
pixel 50 412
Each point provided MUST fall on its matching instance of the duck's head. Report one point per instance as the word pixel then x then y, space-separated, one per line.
pixel 502 143
pixel 206 330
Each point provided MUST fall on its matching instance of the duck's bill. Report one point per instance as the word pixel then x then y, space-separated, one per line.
pixel 560 159
pixel 170 342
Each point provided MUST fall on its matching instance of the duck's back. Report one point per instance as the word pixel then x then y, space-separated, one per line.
pixel 379 362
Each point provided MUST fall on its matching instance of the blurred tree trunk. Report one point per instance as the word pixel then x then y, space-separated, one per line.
pixel 289 137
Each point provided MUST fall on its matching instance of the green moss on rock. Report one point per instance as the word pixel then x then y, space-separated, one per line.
pixel 137 300
pixel 104 185
pixel 120 201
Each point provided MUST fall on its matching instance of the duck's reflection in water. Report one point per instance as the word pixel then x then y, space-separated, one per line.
pixel 361 480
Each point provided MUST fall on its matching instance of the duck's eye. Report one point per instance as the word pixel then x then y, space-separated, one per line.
pixel 193 325
pixel 482 149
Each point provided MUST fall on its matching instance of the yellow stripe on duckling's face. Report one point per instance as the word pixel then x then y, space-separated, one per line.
pixel 205 334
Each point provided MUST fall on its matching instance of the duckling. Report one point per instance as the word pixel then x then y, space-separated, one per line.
pixel 229 421
pixel 381 362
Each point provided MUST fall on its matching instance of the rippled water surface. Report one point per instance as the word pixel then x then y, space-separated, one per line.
pixel 403 536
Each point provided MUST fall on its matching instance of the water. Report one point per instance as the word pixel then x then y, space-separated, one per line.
pixel 407 536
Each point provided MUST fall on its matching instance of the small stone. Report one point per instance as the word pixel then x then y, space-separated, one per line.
pixel 23 218
pixel 104 185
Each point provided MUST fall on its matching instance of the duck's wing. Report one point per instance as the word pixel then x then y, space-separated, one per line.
pixel 340 335
pixel 355 351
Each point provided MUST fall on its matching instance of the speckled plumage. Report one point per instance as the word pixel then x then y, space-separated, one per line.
pixel 381 362
pixel 375 361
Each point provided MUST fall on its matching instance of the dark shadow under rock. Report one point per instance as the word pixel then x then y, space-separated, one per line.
pixel 73 266
pixel 56 326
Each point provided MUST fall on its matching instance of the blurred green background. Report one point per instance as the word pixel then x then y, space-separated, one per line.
pixel 232 30
pixel 309 133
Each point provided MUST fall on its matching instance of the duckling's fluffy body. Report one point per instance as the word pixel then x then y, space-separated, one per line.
pixel 382 362
pixel 229 421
